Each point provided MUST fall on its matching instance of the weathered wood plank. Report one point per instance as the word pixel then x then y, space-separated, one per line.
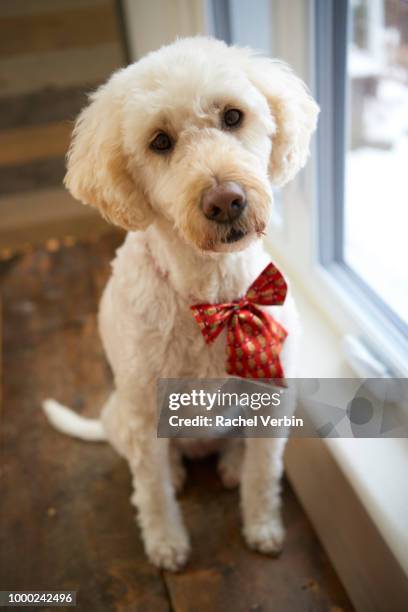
pixel 29 143
pixel 50 104
pixel 22 74
pixel 16 8
pixel 48 31
pixel 35 216
pixel 27 179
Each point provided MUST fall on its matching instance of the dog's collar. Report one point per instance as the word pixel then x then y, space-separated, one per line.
pixel 164 274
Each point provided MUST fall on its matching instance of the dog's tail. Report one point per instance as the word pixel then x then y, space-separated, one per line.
pixel 70 423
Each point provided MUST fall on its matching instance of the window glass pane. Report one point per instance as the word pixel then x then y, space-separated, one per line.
pixel 376 193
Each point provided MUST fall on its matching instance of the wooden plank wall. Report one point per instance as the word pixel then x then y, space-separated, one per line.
pixel 51 55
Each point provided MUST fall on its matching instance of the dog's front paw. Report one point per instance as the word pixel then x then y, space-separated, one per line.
pixel 168 551
pixel 266 537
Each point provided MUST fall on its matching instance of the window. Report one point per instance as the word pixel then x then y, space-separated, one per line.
pixel 362 85
pixel 237 22
pixel 376 193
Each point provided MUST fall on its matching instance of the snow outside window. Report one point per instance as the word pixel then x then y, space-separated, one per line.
pixel 376 171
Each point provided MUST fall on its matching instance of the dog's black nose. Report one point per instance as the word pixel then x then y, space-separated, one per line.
pixel 224 203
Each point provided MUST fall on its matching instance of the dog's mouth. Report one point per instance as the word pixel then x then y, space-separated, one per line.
pixel 234 235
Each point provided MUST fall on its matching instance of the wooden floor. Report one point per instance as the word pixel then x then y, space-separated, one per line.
pixel 65 517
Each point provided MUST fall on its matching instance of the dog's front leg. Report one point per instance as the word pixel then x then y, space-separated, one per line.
pixel 260 494
pixel 133 433
pixel 164 535
pixel 129 419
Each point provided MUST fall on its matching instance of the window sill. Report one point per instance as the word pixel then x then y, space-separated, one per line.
pixel 358 510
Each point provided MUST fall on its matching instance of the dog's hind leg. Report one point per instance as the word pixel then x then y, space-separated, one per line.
pixel 178 470
pixel 230 463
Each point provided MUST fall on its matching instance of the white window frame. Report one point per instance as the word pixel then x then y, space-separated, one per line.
pixel 300 240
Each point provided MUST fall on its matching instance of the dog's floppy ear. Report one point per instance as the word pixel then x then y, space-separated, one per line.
pixel 98 171
pixel 294 111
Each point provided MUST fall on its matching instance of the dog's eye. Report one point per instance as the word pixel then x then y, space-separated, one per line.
pixel 232 118
pixel 161 143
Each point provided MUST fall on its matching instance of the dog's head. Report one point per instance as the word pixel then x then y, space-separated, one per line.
pixel 195 132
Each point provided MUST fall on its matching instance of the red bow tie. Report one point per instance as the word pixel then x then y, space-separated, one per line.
pixel 254 339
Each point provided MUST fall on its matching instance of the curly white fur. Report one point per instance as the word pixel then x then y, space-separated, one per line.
pixel 174 257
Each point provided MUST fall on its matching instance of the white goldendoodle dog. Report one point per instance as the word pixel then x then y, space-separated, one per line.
pixel 180 149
